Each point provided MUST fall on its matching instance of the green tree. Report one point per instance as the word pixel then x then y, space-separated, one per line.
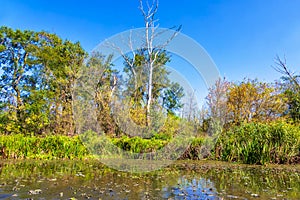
pixel 19 78
pixel 172 98
pixel 62 61
pixel 165 94
pixel 105 82
pixel 38 74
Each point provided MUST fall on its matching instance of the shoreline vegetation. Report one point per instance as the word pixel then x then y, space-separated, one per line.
pixel 43 80
pixel 250 143
pixel 125 121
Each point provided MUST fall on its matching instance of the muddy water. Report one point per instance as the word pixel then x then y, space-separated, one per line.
pixel 182 180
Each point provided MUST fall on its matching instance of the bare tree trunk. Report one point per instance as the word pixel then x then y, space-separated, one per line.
pixel 152 56
pixel 153 51
pixel 149 98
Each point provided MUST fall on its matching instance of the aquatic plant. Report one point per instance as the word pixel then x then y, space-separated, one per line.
pixel 261 143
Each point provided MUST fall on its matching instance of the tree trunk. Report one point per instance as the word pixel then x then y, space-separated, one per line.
pixel 149 99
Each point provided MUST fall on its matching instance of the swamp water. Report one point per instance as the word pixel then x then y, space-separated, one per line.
pixel 182 180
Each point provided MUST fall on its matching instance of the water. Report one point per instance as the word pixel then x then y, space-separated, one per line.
pixel 182 180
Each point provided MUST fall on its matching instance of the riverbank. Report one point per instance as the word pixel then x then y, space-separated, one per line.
pixel 251 143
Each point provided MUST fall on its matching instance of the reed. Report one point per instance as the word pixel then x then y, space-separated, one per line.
pixel 260 143
pixel 50 147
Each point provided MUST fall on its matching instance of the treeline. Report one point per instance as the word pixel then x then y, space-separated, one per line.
pixel 51 86
pixel 256 122
pixel 41 84
pixel 254 101
pixel 38 71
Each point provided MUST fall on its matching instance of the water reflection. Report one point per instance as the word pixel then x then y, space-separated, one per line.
pixel 183 180
pixel 194 189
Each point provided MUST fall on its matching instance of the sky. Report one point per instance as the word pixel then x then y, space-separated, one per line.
pixel 241 36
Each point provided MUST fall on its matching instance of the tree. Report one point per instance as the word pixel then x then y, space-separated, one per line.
pixel 162 88
pixel 104 80
pixel 254 101
pixel 217 101
pixel 153 52
pixel 19 77
pixel 147 75
pixel 62 61
pixel 38 75
pixel 217 107
pixel 290 87
pixel 172 98
pixel 189 109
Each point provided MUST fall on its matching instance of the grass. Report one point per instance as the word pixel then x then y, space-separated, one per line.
pixel 260 143
pixel 250 143
pixel 33 147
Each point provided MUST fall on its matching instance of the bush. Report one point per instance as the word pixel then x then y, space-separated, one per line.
pixel 139 145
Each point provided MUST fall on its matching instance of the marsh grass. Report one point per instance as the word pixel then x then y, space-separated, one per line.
pixel 250 143
pixel 260 143
pixel 34 147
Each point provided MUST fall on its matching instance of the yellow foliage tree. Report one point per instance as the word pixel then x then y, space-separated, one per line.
pixel 254 101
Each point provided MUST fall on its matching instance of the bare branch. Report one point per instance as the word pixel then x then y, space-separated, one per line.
pixel 283 69
pixel 166 43
pixel 129 61
pixel 149 14
pixel 154 8
pixel 142 9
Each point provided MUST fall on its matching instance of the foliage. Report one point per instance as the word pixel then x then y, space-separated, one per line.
pixel 172 97
pixel 138 144
pixel 18 146
pixel 164 93
pixel 195 150
pixel 104 83
pixel 294 104
pixel 38 74
pixel 254 101
pixel 18 78
pixel 260 143
pixel 292 95
pixel 171 127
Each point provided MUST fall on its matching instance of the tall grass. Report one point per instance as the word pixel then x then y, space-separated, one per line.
pixel 260 143
pixel 50 147
pixel 250 143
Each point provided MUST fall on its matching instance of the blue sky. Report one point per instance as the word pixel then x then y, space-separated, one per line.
pixel 242 37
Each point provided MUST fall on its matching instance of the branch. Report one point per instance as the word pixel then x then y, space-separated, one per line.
pixel 130 62
pixel 283 69
pixel 126 58
pixel 170 38
pixel 151 11
pixel 141 7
